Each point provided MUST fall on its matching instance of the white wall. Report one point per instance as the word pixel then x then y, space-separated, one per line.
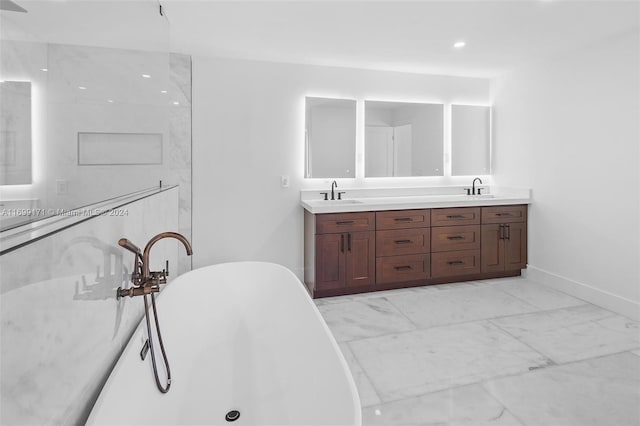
pixel 568 128
pixel 248 130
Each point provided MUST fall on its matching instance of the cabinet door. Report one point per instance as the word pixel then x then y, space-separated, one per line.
pixel 492 248
pixel 455 216
pixel 515 246
pixel 504 214
pixel 452 263
pixel 403 241
pixel 331 223
pixel 360 258
pixel 396 269
pixel 402 219
pixel 452 238
pixel 330 261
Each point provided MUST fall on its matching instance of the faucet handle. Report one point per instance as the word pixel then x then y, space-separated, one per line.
pixel 479 189
pixel 468 191
pixel 340 194
pixel 326 195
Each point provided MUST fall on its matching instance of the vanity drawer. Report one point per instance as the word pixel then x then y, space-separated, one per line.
pixel 451 238
pixel 455 216
pixel 403 241
pixel 398 219
pixel 332 223
pixel 504 214
pixel 402 268
pixel 452 263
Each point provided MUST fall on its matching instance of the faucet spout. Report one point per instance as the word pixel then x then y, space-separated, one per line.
pixel 146 274
pixel 334 185
pixel 473 192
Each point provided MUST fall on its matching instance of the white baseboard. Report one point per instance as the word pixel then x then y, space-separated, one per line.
pixel 610 301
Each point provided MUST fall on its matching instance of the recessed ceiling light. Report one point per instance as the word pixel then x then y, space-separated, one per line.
pixel 459 44
pixel 44 69
pixel 146 76
pixel 82 88
pixel 110 101
pixel 163 91
pixel 176 103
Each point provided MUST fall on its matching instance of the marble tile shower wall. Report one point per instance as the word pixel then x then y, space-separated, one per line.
pixel 180 142
pixel 62 327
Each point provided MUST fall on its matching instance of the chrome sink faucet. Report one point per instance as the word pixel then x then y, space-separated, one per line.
pixel 334 184
pixel 145 281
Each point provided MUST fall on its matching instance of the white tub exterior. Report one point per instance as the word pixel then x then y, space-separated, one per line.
pixel 239 336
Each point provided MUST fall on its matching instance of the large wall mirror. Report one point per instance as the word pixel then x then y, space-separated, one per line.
pixel 470 140
pixel 330 138
pixel 403 139
pixel 15 132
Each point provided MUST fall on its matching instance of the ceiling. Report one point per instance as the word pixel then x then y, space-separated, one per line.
pixel 414 36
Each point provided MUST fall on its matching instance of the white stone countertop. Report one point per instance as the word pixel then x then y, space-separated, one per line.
pixel 355 203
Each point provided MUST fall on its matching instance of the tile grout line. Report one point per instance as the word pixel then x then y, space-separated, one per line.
pixel 365 373
pixel 420 328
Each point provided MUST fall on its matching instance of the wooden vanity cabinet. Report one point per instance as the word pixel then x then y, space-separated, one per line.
pixel 367 251
pixel 343 253
pixel 504 238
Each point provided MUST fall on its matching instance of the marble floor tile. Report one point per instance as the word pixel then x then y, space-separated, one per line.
pixel 536 294
pixel 365 318
pixel 360 296
pixel 574 333
pixel 420 361
pixel 368 395
pixel 458 305
pixel 595 392
pixel 468 405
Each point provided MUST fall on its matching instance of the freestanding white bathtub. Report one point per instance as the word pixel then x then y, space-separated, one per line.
pixel 239 336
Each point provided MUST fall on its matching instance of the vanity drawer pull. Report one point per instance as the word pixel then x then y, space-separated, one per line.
pixel 403 219
pixel 455 237
pixel 455 262
pixel 345 222
pixel 403 241
pixel 403 268
pixel 455 216
pixel 503 214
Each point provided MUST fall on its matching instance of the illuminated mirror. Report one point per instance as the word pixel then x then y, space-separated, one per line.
pixel 330 133
pixel 403 139
pixel 15 132
pixel 470 140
